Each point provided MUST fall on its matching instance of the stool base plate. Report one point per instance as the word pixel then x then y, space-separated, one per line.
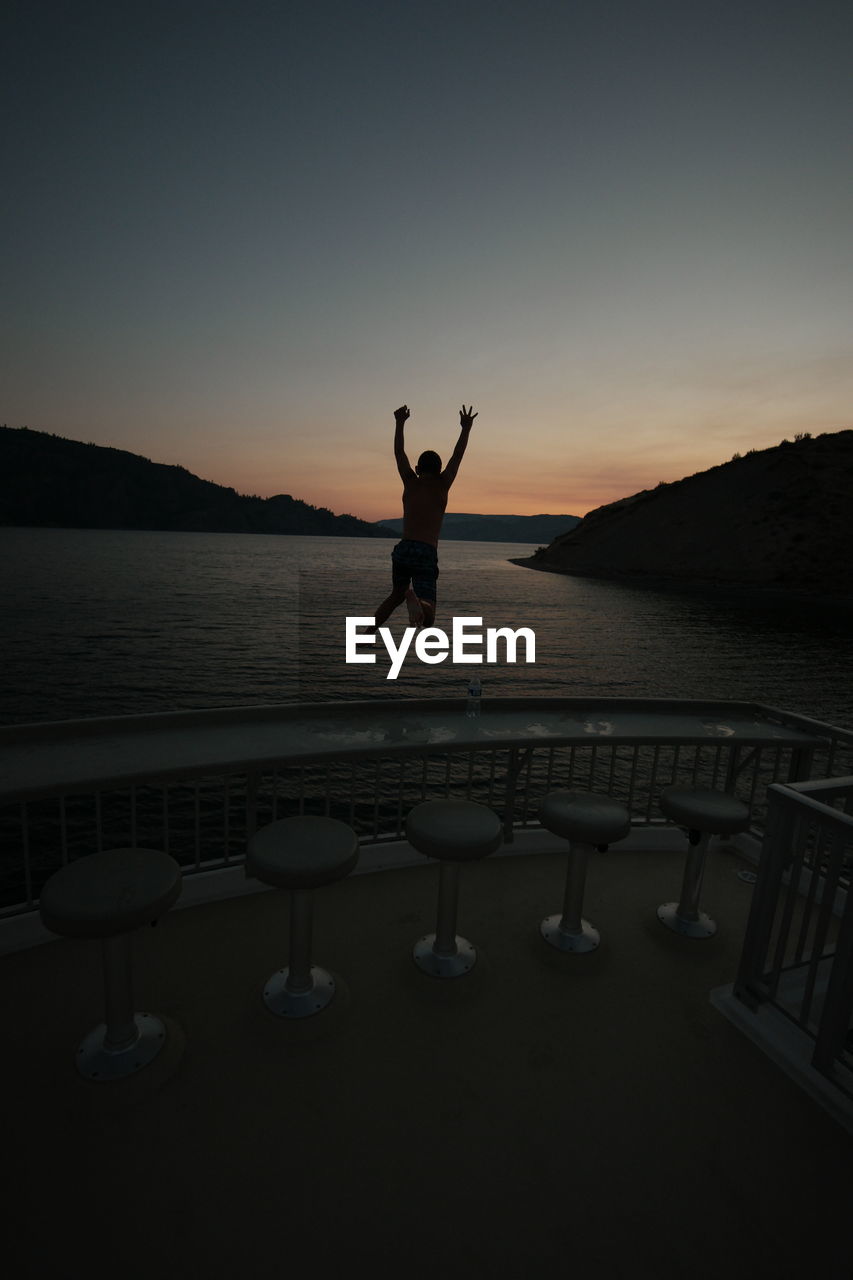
pixel 285 1003
pixel 704 927
pixel 96 1062
pixel 587 940
pixel 439 966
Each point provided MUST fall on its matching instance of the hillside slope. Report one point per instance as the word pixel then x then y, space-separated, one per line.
pixel 779 517
pixel 48 480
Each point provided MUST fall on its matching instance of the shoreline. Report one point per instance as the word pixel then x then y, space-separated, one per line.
pixel 698 586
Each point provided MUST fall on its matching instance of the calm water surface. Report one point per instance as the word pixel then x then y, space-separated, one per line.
pixel 116 623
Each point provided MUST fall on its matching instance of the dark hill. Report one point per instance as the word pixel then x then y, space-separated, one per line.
pixel 47 480
pixel 779 517
pixel 465 526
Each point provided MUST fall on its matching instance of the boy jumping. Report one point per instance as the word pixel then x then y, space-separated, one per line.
pixel 414 560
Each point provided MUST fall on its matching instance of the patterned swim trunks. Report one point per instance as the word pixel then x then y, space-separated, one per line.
pixel 416 562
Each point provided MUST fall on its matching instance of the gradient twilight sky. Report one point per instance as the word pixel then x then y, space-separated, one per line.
pixel 237 235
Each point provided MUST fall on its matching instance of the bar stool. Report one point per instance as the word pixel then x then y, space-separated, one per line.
pixel 704 813
pixel 453 831
pixel 107 895
pixel 587 821
pixel 301 854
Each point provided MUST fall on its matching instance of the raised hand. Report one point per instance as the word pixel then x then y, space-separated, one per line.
pixel 401 414
pixel 466 417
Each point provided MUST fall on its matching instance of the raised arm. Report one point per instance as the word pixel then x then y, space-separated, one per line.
pixel 466 419
pixel 403 465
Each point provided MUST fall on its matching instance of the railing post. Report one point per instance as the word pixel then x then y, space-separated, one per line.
pixel 251 805
pixel 749 984
pixel 837 1011
pixel 518 757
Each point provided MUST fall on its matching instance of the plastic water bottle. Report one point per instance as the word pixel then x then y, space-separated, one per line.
pixel 475 698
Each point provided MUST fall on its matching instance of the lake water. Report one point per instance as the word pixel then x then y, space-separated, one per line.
pixel 116 623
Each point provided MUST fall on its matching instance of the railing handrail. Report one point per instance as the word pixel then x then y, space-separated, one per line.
pixel 300 731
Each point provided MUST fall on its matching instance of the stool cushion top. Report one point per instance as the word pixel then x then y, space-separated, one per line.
pixel 111 892
pixel 453 830
pixel 302 852
pixel 580 815
pixel 702 809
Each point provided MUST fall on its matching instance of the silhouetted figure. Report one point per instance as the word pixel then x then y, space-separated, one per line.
pixel 414 560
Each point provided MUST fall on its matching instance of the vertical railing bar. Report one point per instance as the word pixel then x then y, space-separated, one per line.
pixel 697 759
pixel 99 828
pixel 632 781
pixel 197 821
pixel 251 804
pixel 527 769
pixel 824 913
pixel 226 831
pixel 25 844
pixel 832 876
pixel 809 897
pixel 798 849
pixel 400 797
pixel 376 781
pixel 63 832
pixel 653 783
pixel 755 772
pixel 352 794
pixel 166 829
pixel 837 1012
pixel 718 760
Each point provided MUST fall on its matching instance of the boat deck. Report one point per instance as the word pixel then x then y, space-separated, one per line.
pixel 590 1112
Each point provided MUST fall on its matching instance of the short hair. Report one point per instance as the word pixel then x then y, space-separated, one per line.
pixel 430 463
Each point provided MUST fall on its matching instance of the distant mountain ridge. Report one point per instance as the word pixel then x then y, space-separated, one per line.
pixel 46 480
pixel 465 526
pixel 779 517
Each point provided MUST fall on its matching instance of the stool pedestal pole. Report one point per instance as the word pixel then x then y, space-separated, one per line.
pixel 121 1031
pixel 703 812
pixel 444 954
pixel 301 989
pixel 126 1041
pixel 569 931
pixel 454 831
pixel 301 854
pixel 684 916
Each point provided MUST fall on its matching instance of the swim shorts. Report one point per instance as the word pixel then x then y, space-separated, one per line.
pixel 416 562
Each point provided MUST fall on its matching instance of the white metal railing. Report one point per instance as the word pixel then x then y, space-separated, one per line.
pixel 798 947
pixel 204 818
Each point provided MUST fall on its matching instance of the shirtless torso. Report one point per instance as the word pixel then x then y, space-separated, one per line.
pixel 424 505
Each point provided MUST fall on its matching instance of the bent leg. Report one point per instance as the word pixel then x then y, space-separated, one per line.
pixel 388 605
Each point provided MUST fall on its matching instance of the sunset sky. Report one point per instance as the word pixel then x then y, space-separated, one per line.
pixel 237 236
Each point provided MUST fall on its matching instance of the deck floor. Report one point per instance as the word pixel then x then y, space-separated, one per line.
pixel 591 1113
